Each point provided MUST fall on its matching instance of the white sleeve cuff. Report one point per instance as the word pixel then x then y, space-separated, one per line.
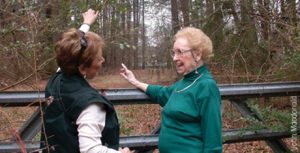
pixel 84 27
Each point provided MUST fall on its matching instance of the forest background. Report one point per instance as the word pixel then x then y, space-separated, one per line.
pixel 253 40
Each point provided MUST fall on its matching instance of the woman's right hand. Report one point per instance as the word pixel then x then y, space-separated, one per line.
pixel 127 74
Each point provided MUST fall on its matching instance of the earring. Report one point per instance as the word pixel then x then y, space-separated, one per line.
pixel 84 75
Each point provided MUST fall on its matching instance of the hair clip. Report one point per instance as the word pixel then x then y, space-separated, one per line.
pixel 83 42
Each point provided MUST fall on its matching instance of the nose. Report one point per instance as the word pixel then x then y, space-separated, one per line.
pixel 175 57
pixel 102 59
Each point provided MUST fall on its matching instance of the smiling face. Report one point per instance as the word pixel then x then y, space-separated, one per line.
pixel 184 59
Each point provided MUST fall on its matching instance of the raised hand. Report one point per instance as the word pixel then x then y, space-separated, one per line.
pixel 90 16
pixel 127 74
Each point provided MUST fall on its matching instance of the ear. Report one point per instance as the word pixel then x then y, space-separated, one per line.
pixel 198 57
pixel 81 69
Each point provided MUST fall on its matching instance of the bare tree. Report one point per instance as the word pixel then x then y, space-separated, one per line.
pixel 175 19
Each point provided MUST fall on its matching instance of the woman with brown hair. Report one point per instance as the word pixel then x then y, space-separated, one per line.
pixel 78 118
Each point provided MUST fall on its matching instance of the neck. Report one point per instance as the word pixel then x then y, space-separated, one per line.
pixel 195 67
pixel 199 64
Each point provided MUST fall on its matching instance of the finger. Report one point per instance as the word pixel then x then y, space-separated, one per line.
pixel 90 10
pixel 97 13
pixel 122 70
pixel 124 75
pixel 124 66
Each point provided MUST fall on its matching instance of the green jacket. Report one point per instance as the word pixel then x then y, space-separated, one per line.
pixel 190 118
pixel 72 94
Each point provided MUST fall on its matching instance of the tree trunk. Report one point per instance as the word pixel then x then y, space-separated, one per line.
pixel 248 24
pixel 292 12
pixel 128 29
pixel 175 19
pixel 143 35
pixel 113 29
pixel 124 32
pixel 185 12
pixel 214 27
pixel 136 32
pixel 263 9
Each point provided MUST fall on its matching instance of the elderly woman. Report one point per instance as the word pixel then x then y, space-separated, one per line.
pixel 78 118
pixel 190 118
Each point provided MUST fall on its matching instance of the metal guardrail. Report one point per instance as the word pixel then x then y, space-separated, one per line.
pixel 147 142
pixel 129 96
pixel 235 93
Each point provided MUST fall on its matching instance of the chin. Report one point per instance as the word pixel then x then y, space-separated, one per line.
pixel 180 72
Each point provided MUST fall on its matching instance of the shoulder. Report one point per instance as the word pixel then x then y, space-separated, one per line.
pixel 207 86
pixel 207 82
pixel 92 113
pixel 95 108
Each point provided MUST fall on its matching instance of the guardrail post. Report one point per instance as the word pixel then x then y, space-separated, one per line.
pixel 277 145
pixel 31 127
pixel 154 131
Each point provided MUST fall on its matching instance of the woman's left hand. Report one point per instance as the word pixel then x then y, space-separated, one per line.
pixel 90 16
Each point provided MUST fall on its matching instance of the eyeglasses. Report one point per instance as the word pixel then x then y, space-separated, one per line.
pixel 179 52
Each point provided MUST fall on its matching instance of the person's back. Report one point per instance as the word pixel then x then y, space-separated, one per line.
pixel 77 118
pixel 71 95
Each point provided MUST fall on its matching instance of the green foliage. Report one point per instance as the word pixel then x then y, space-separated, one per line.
pixel 122 8
pixel 242 46
pixel 268 118
pixel 289 68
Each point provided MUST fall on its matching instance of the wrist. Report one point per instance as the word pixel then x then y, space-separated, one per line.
pixel 86 23
pixel 84 27
pixel 135 83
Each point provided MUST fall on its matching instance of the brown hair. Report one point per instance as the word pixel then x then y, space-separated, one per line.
pixel 199 41
pixel 67 50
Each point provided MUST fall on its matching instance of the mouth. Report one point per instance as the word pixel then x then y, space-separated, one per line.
pixel 179 65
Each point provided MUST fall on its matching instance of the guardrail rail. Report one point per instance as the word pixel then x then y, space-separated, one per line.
pixel 237 94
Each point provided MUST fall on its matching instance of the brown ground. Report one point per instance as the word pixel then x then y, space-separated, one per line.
pixel 134 119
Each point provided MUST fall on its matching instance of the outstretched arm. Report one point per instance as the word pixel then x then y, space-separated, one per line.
pixel 129 76
pixel 89 17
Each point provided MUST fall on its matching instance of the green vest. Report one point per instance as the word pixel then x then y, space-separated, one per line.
pixel 71 95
